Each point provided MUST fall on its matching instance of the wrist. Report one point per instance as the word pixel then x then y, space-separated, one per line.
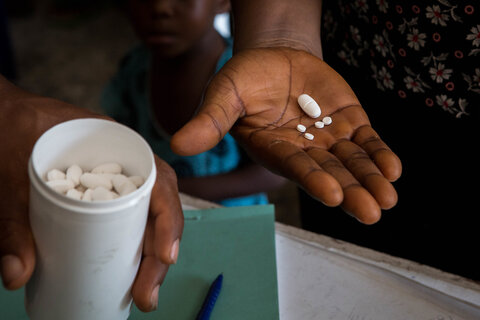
pixel 282 39
pixel 277 23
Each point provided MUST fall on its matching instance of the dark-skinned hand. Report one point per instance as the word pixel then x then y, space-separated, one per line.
pixel 254 96
pixel 24 117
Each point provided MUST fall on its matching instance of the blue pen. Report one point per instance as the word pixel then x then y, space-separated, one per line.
pixel 209 303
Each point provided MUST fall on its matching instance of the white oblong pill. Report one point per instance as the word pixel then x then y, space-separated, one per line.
pixel 137 180
pixel 55 174
pixel 92 181
pixel 309 105
pixel 127 187
pixel 108 176
pixel 60 186
pixel 102 194
pixel 74 194
pixel 110 167
pixel 319 124
pixel 309 136
pixel 327 120
pixel 118 180
pixel 123 185
pixel 73 173
pixel 301 128
pixel 87 195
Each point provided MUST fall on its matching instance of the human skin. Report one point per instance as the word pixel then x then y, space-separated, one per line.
pixel 254 96
pixel 24 117
pixel 277 57
pixel 185 49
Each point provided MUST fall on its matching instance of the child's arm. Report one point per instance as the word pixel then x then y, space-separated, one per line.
pixel 249 179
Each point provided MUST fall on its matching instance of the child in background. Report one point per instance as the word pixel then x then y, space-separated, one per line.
pixel 160 85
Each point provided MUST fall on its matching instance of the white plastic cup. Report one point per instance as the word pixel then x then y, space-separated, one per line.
pixel 88 253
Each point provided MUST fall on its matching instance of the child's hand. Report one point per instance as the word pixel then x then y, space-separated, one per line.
pixel 24 117
pixel 255 95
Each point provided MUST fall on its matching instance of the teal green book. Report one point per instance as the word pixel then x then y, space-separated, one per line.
pixel 238 242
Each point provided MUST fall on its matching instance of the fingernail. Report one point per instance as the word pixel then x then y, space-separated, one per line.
pixel 11 268
pixel 154 297
pixel 174 251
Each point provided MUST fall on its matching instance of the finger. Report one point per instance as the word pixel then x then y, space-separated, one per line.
pixel 166 215
pixel 149 278
pixel 358 162
pixel 387 161
pixel 295 164
pixel 356 200
pixel 17 251
pixel 221 108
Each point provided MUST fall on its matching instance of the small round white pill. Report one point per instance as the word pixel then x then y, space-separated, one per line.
pixel 309 106
pixel 111 167
pixel 137 180
pixel 73 173
pixel 60 186
pixel 327 120
pixel 92 181
pixel 301 128
pixel 309 136
pixel 319 124
pixel 55 174
pixel 74 194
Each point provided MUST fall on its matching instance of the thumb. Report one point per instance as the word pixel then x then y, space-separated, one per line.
pixel 17 251
pixel 219 112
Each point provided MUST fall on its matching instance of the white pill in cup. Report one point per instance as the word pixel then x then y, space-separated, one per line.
pixel 88 253
pixel 74 172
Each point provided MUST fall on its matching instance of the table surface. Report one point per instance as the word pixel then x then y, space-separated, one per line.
pixel 323 278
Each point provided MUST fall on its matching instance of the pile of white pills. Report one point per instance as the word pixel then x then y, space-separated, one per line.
pixel 311 107
pixel 104 182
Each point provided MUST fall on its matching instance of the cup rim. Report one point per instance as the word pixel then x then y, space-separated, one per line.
pixel 88 207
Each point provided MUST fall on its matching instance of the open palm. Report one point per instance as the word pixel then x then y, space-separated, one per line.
pixel 254 97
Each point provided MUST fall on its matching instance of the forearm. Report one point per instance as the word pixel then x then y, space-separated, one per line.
pixel 241 182
pixel 273 23
pixel 34 110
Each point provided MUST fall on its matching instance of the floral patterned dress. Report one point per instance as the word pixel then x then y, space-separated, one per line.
pixel 415 67
pixel 425 51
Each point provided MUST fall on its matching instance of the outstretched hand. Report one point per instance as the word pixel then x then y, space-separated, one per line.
pixel 254 96
pixel 24 117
